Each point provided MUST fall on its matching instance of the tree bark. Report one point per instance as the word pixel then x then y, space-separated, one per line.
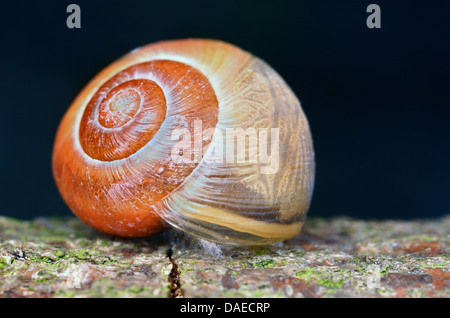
pixel 336 257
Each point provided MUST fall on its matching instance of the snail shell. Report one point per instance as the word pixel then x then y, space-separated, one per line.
pixel 116 158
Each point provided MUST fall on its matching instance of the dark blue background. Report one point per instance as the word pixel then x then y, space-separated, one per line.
pixel 377 99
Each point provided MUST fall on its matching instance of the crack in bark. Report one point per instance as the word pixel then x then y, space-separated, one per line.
pixel 175 290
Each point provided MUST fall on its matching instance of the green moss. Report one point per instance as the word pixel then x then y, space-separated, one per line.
pixel 436 265
pixel 106 260
pixel 243 264
pixel 284 262
pixel 59 253
pixel 46 277
pixel 46 259
pixel 80 254
pixel 66 293
pixel 306 274
pixel 330 282
pixel 321 278
pixel 428 238
pixel 259 251
pixel 258 293
pixel 135 289
pixel 92 255
pixel 36 258
pixel 185 268
pixel 385 270
pixel 264 263
pixel 5 262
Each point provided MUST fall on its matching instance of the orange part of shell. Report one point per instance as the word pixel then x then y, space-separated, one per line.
pixel 104 161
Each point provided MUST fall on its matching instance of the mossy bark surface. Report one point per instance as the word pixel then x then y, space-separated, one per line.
pixel 337 257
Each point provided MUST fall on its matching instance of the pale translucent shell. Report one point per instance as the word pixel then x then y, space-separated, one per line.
pixel 230 203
